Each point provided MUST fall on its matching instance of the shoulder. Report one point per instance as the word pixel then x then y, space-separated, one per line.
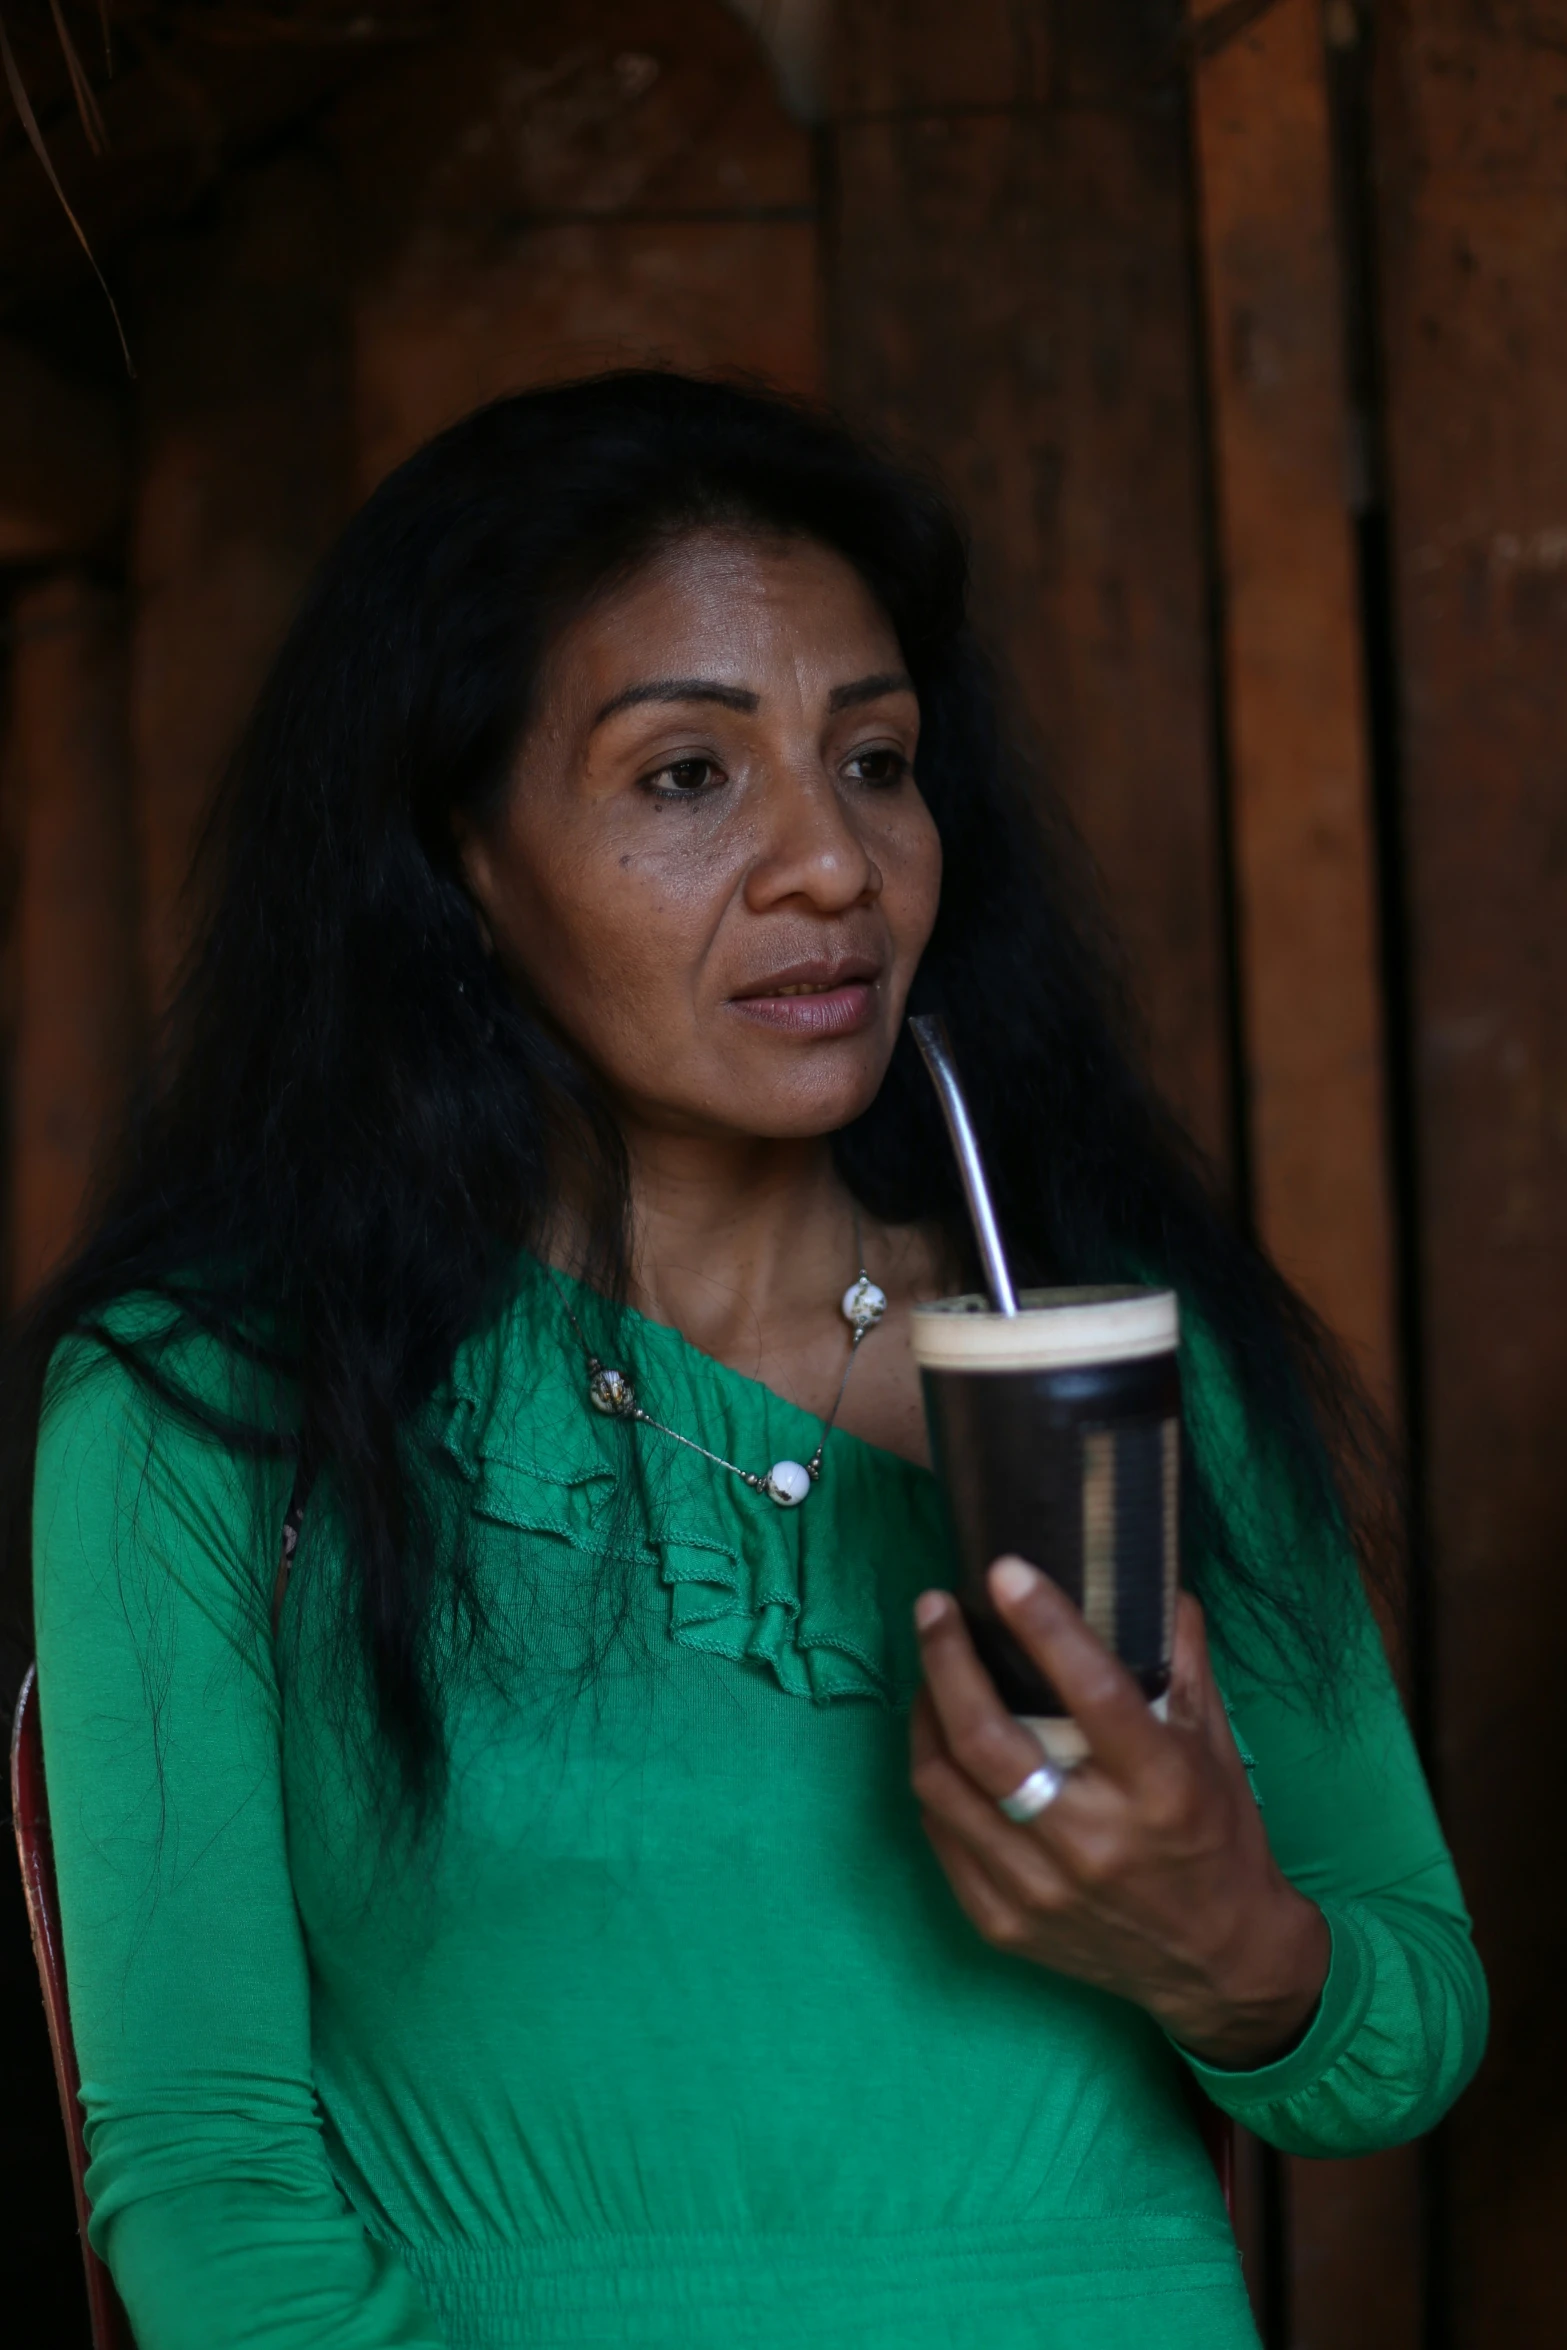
pixel 1256 1485
pixel 153 1452
pixel 146 1346
pixel 517 1364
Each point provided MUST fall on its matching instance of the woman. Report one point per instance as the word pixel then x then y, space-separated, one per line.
pixel 512 1922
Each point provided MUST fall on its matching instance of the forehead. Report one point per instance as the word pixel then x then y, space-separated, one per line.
pixel 725 602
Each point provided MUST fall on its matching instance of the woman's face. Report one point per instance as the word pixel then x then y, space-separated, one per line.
pixel 714 868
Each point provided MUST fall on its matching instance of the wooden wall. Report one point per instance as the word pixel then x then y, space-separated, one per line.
pixel 1237 328
pixel 530 206
pixel 1088 258
pixel 1471 142
pixel 1012 295
pixel 1303 828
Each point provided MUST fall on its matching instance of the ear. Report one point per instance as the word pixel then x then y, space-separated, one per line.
pixel 478 872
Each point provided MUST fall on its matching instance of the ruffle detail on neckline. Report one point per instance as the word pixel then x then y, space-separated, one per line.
pixel 753 1611
pixel 480 1436
pixel 818 1597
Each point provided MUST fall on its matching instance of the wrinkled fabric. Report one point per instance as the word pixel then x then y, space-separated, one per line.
pixel 671 2033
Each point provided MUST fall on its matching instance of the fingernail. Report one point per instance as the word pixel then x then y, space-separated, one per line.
pixel 929 1609
pixel 1011 1579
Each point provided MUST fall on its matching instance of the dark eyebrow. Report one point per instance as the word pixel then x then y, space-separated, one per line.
pixel 869 689
pixel 678 689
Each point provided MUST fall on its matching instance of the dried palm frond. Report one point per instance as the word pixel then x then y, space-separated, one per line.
pixel 92 128
pixel 81 88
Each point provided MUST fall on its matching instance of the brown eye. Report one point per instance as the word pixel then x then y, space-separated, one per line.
pixel 683 779
pixel 880 767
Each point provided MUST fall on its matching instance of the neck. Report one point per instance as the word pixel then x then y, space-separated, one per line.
pixel 736 1236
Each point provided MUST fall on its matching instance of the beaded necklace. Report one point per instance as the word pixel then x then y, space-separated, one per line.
pixel 787 1482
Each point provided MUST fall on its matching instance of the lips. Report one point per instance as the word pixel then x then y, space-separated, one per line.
pixel 828 997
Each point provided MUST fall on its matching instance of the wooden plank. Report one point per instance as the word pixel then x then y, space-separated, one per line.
pixel 244 476
pixel 894 56
pixel 67 763
pixel 705 296
pixel 538 199
pixel 1010 297
pixel 1305 864
pixel 1304 844
pixel 1472 168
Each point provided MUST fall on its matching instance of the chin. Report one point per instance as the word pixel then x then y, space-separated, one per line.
pixel 802 1106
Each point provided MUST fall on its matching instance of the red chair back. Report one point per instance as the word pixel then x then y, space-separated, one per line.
pixel 1218 2135
pixel 35 1851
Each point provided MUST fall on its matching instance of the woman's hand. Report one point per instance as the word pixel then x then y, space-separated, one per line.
pixel 1150 1874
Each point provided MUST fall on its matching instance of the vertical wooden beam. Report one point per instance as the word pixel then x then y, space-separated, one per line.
pixel 1010 295
pixel 1304 843
pixel 244 476
pixel 1471 152
pixel 1305 865
pixel 67 763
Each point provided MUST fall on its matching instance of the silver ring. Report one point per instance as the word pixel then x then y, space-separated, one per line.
pixel 1037 1793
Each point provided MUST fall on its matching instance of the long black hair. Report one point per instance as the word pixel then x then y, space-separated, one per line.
pixel 347 1136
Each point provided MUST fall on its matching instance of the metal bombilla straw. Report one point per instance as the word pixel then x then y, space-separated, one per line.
pixel 929 1031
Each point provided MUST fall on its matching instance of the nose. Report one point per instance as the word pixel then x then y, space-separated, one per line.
pixel 811 852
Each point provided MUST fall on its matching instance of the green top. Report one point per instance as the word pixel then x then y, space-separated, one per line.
pixel 673 2034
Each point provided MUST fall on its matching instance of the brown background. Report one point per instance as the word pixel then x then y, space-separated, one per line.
pixel 1239 330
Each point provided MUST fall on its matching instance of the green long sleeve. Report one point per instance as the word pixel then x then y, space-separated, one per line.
pixel 213 2201
pixel 673 2035
pixel 1402 2020
pixel 1401 2024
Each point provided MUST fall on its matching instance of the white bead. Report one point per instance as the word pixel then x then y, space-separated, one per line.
pixel 788 1482
pixel 863 1304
